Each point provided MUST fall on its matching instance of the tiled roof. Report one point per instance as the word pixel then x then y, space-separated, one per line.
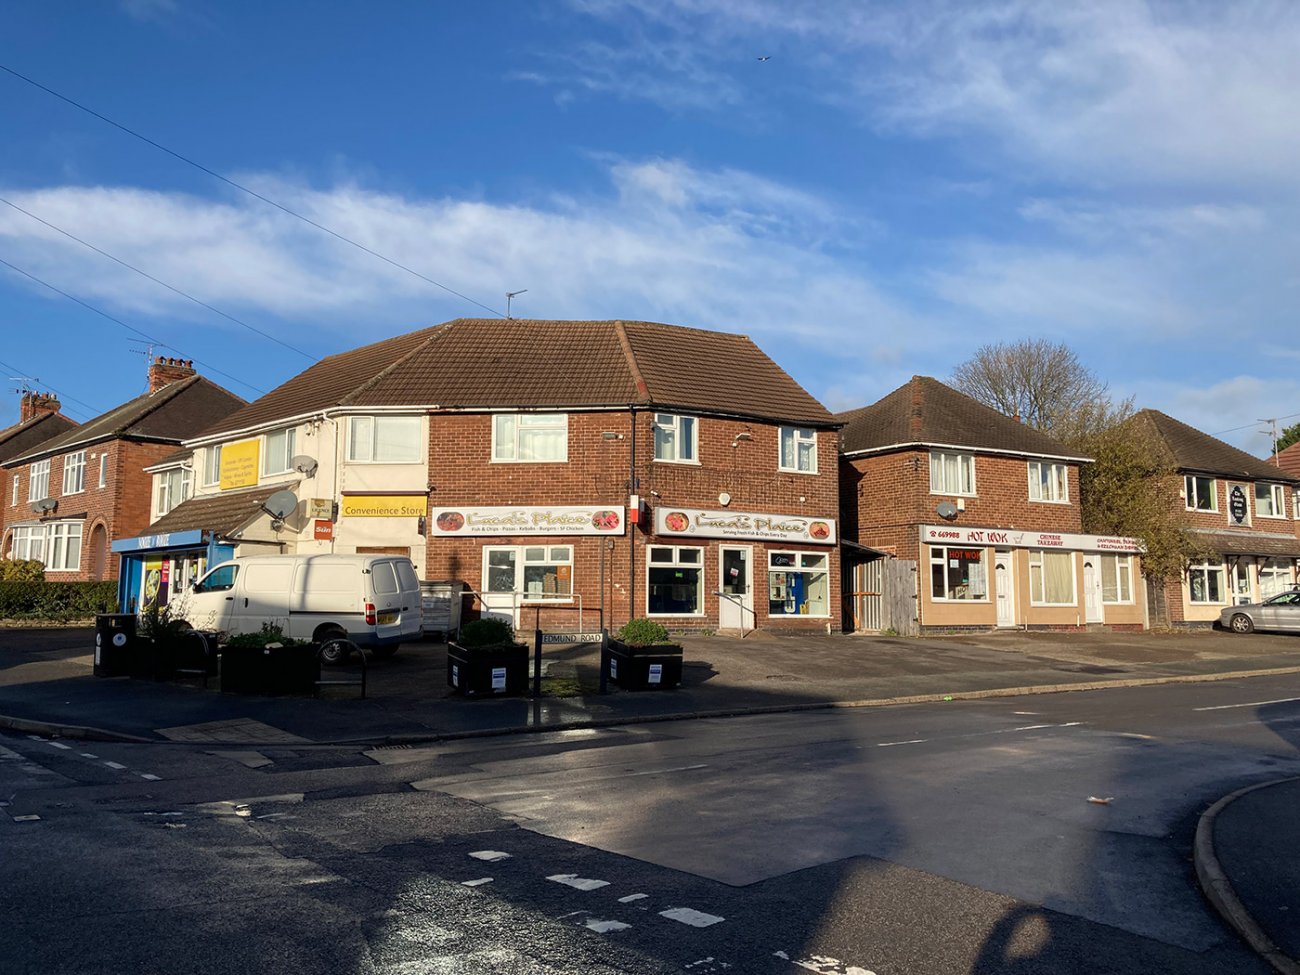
pixel 23 437
pixel 1246 543
pixel 223 514
pixel 521 363
pixel 1185 448
pixel 925 411
pixel 176 412
pixel 1288 458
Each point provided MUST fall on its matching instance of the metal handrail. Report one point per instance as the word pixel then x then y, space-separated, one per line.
pixel 516 604
pixel 740 601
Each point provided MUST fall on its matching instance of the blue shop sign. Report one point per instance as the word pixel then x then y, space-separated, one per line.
pixel 143 543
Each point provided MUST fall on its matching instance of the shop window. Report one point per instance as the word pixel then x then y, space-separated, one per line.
pixel 1274 577
pixel 1051 578
pixel 798 584
pixel 38 485
pixel 537 438
pixel 63 547
pixel 277 452
pixel 537 572
pixel 1117 578
pixel 1205 582
pixel 798 450
pixel 675 438
pixel 174 486
pixel 1200 493
pixel 212 466
pixel 674 581
pixel 103 469
pixel 952 473
pixel 958 573
pixel 385 440
pixel 74 472
pixel 1269 501
pixel 1048 482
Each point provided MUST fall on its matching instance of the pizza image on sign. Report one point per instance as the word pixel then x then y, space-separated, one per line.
pixel 676 521
pixel 605 520
pixel 819 529
pixel 451 521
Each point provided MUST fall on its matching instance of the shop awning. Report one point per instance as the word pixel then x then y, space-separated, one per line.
pixel 222 514
pixel 1242 543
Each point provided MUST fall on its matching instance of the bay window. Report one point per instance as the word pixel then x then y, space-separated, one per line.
pixel 798 584
pixel 952 473
pixel 385 440
pixel 29 543
pixel 958 573
pixel 539 438
pixel 1051 578
pixel 674 581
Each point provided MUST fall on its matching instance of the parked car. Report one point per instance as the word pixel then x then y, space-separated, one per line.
pixel 1280 612
pixel 372 600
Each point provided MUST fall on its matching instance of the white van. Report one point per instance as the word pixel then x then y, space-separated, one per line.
pixel 373 600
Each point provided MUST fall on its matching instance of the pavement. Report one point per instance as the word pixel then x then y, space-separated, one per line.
pixel 1247 849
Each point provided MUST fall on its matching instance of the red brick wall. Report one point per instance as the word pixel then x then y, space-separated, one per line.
pixel 599 471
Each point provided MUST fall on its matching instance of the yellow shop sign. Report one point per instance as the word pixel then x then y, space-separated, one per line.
pixel 384 505
pixel 239 464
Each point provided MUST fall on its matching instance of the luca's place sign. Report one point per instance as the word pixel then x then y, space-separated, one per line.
pixel 742 524
pixel 528 520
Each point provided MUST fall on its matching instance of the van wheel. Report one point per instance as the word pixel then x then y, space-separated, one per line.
pixel 334 645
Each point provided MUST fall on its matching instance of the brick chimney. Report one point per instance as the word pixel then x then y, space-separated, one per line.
pixel 164 370
pixel 34 404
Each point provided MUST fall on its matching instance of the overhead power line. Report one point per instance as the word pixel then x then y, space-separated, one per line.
pixel 146 274
pixel 131 328
pixel 244 189
pixel 94 410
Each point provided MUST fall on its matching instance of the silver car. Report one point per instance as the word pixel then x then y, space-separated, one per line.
pixel 1280 612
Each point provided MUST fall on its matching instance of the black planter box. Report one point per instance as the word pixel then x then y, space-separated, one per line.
pixel 115 644
pixel 270 670
pixel 488 670
pixel 656 667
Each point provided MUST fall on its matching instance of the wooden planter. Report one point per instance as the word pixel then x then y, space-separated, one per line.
pixel 656 667
pixel 501 669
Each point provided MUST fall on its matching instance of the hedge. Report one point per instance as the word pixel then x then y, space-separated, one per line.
pixel 56 600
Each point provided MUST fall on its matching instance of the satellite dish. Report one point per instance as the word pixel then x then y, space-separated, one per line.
pixel 304 464
pixel 45 504
pixel 946 509
pixel 280 505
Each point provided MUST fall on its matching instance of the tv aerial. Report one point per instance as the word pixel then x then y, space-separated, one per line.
pixel 510 296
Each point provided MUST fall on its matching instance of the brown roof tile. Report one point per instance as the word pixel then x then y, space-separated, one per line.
pixel 223 513
pixel 1288 458
pixel 1187 449
pixel 925 411
pixel 24 437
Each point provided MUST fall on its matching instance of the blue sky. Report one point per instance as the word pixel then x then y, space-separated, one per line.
pixel 898 185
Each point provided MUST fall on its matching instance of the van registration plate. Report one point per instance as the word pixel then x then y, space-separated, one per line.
pixel 385 618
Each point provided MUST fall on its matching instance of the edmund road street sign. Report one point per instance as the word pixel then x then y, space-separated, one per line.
pixel 570 637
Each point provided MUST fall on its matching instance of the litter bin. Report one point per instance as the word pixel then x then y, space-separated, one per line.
pixel 645 668
pixel 115 644
pixel 440 603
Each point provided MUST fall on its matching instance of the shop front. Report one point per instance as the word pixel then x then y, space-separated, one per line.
pixel 156 568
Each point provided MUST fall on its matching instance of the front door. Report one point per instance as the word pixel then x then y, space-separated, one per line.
pixel 1091 592
pixel 500 596
pixel 1004 579
pixel 736 602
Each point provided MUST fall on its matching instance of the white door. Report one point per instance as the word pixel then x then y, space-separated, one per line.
pixel 736 602
pixel 1004 578
pixel 1092 612
pixel 500 570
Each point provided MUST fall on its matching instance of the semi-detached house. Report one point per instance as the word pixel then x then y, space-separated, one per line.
pixel 39 420
pixel 560 470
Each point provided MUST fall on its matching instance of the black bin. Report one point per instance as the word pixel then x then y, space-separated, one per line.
pixel 488 670
pixel 645 668
pixel 115 644
pixel 270 670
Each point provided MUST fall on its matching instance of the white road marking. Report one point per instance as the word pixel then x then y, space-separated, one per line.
pixel 1033 727
pixel 26 819
pixel 150 776
pixel 687 915
pixel 87 755
pixel 632 897
pixel 578 883
pixel 1252 704
pixel 662 771
pixel 9 755
pixel 491 856
pixel 604 927
pixel 476 883
pixel 120 768
pixel 823 965
pixel 912 741
pixel 59 744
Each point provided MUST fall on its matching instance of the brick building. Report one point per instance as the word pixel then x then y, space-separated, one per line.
pixel 1240 508
pixel 39 420
pixel 549 466
pixel 70 496
pixel 987 512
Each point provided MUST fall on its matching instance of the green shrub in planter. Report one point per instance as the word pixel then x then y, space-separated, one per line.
pixel 487 659
pixel 491 631
pixel 269 633
pixel 643 633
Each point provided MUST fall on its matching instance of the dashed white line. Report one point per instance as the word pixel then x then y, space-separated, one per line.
pixel 578 883
pixel 604 927
pixel 688 915
pixel 59 744
pixel 823 965
pixel 476 883
pixel 632 897
pixel 87 755
pixel 491 856
pixel 120 768
pixel 151 777
pixel 26 819
pixel 1252 704
pixel 910 741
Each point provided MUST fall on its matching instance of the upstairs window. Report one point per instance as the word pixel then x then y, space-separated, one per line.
pixel 675 438
pixel 38 486
pixel 1048 482
pixel 103 469
pixel 74 473
pixel 538 438
pixel 952 473
pixel 798 450
pixel 1200 492
pixel 277 452
pixel 212 466
pixel 174 486
pixel 14 500
pixel 1269 501
pixel 385 440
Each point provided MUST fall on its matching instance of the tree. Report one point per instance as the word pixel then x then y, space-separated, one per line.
pixel 1043 384
pixel 1288 436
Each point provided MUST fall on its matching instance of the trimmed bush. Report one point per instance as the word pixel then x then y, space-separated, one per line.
pixel 42 600
pixel 269 633
pixel 22 570
pixel 643 633
pixel 489 632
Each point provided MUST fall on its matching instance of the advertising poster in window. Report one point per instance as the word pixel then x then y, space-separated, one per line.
pixel 239 464
pixel 527 520
pixel 744 524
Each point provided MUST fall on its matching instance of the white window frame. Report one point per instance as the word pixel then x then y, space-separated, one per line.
pixel 522 562
pixel 363 444
pixel 685 432
pixel 1038 562
pixel 1123 569
pixel 74 472
pixel 212 465
pixel 505 445
pixel 1275 497
pixel 939 557
pixel 1280 574
pixel 1205 569
pixel 676 563
pixel 164 500
pixel 13 503
pixel 1193 496
pixel 59 547
pixel 796 437
pixel 965 470
pixel 801 568
pixel 28 543
pixel 38 483
pixel 1058 482
pixel 103 469
pixel 289 435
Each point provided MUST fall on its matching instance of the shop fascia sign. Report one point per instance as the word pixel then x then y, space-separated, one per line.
pixel 527 520
pixel 383 505
pixel 700 523
pixel 952 535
